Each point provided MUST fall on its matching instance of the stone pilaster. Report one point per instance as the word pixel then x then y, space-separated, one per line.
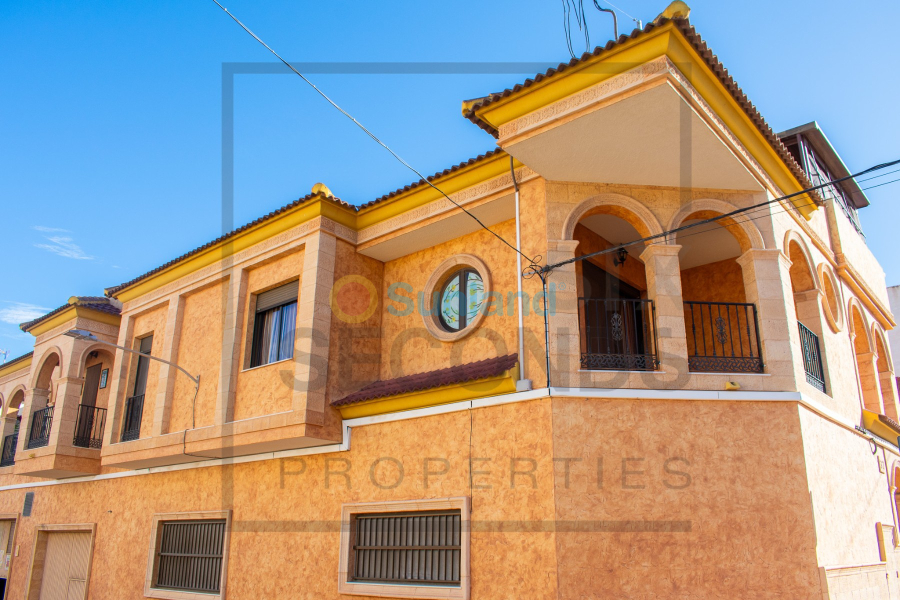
pixel 312 338
pixel 118 384
pixel 870 388
pixel 65 411
pixel 232 336
pixel 165 388
pixel 663 272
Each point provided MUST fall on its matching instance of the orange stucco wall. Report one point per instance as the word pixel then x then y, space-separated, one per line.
pixel 264 390
pixel 538 532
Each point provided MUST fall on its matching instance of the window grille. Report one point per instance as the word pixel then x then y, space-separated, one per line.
pixel 415 547
pixel 189 555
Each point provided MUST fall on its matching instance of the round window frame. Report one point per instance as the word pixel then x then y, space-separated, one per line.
pixel 435 286
pixel 835 321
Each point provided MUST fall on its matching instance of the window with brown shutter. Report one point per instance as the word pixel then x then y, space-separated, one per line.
pixel 190 555
pixel 406 548
pixel 412 547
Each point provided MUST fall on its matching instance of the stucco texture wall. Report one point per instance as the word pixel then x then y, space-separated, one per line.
pixel 739 483
pixel 746 504
pixel 265 390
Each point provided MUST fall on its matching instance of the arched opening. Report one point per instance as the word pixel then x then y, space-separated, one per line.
pixel 615 315
pixel 808 308
pixel 11 421
pixel 43 398
pixel 91 418
pixel 722 327
pixel 865 362
pixel 886 379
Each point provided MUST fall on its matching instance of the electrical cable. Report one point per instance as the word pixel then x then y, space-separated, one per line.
pixel 370 134
pixel 731 214
pixel 637 21
pixel 881 184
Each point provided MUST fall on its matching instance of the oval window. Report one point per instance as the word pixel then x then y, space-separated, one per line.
pixel 461 298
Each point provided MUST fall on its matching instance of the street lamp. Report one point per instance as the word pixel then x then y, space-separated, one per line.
pixel 81 334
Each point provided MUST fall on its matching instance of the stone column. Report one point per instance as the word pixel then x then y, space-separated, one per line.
pixel 565 340
pixel 65 411
pixel 663 272
pixel 231 346
pixel 767 284
pixel 313 333
pixel 165 388
pixel 118 383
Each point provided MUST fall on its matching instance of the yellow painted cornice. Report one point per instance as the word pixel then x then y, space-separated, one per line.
pixel 493 386
pixel 667 40
pixel 16 366
pixel 70 314
pixel 450 183
pixel 316 207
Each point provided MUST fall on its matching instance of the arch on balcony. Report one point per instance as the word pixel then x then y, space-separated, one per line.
pixel 886 377
pixel 615 315
pixel 807 292
pixel 617 205
pixel 745 232
pixel 12 410
pixel 864 351
pixel 43 377
pixel 722 327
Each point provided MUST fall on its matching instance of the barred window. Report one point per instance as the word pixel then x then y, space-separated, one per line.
pixel 412 547
pixel 189 555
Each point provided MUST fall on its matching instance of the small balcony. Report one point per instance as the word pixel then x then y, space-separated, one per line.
pixel 89 427
pixel 39 434
pixel 723 337
pixel 812 358
pixel 619 334
pixel 8 456
pixel 134 409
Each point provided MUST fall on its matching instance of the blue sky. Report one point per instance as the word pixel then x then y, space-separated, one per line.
pixel 111 113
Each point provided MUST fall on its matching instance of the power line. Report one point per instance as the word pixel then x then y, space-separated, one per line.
pixel 881 184
pixel 665 234
pixel 372 135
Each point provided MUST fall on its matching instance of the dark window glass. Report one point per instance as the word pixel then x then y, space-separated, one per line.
pixel 189 555
pixel 416 547
pixel 461 298
pixel 143 365
pixel 273 328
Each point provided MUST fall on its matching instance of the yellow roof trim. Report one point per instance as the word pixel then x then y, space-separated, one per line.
pixel 450 183
pixel 289 219
pixel 70 314
pixel 460 392
pixel 16 366
pixel 665 40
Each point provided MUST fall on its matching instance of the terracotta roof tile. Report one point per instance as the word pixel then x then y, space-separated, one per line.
pixel 702 49
pixel 13 361
pixel 438 175
pixel 491 367
pixel 98 303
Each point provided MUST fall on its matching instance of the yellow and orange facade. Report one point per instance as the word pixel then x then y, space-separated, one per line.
pixel 720 416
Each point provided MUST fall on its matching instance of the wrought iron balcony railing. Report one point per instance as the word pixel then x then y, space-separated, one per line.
pixel 723 337
pixel 39 434
pixel 618 334
pixel 812 359
pixel 89 426
pixel 134 408
pixel 8 457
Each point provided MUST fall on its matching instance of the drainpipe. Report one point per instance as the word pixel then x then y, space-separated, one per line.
pixel 522 384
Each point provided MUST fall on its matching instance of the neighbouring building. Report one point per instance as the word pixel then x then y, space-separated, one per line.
pixel 341 401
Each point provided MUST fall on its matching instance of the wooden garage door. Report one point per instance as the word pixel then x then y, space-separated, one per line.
pixel 66 566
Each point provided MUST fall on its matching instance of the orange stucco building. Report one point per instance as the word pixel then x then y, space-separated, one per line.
pixel 340 401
